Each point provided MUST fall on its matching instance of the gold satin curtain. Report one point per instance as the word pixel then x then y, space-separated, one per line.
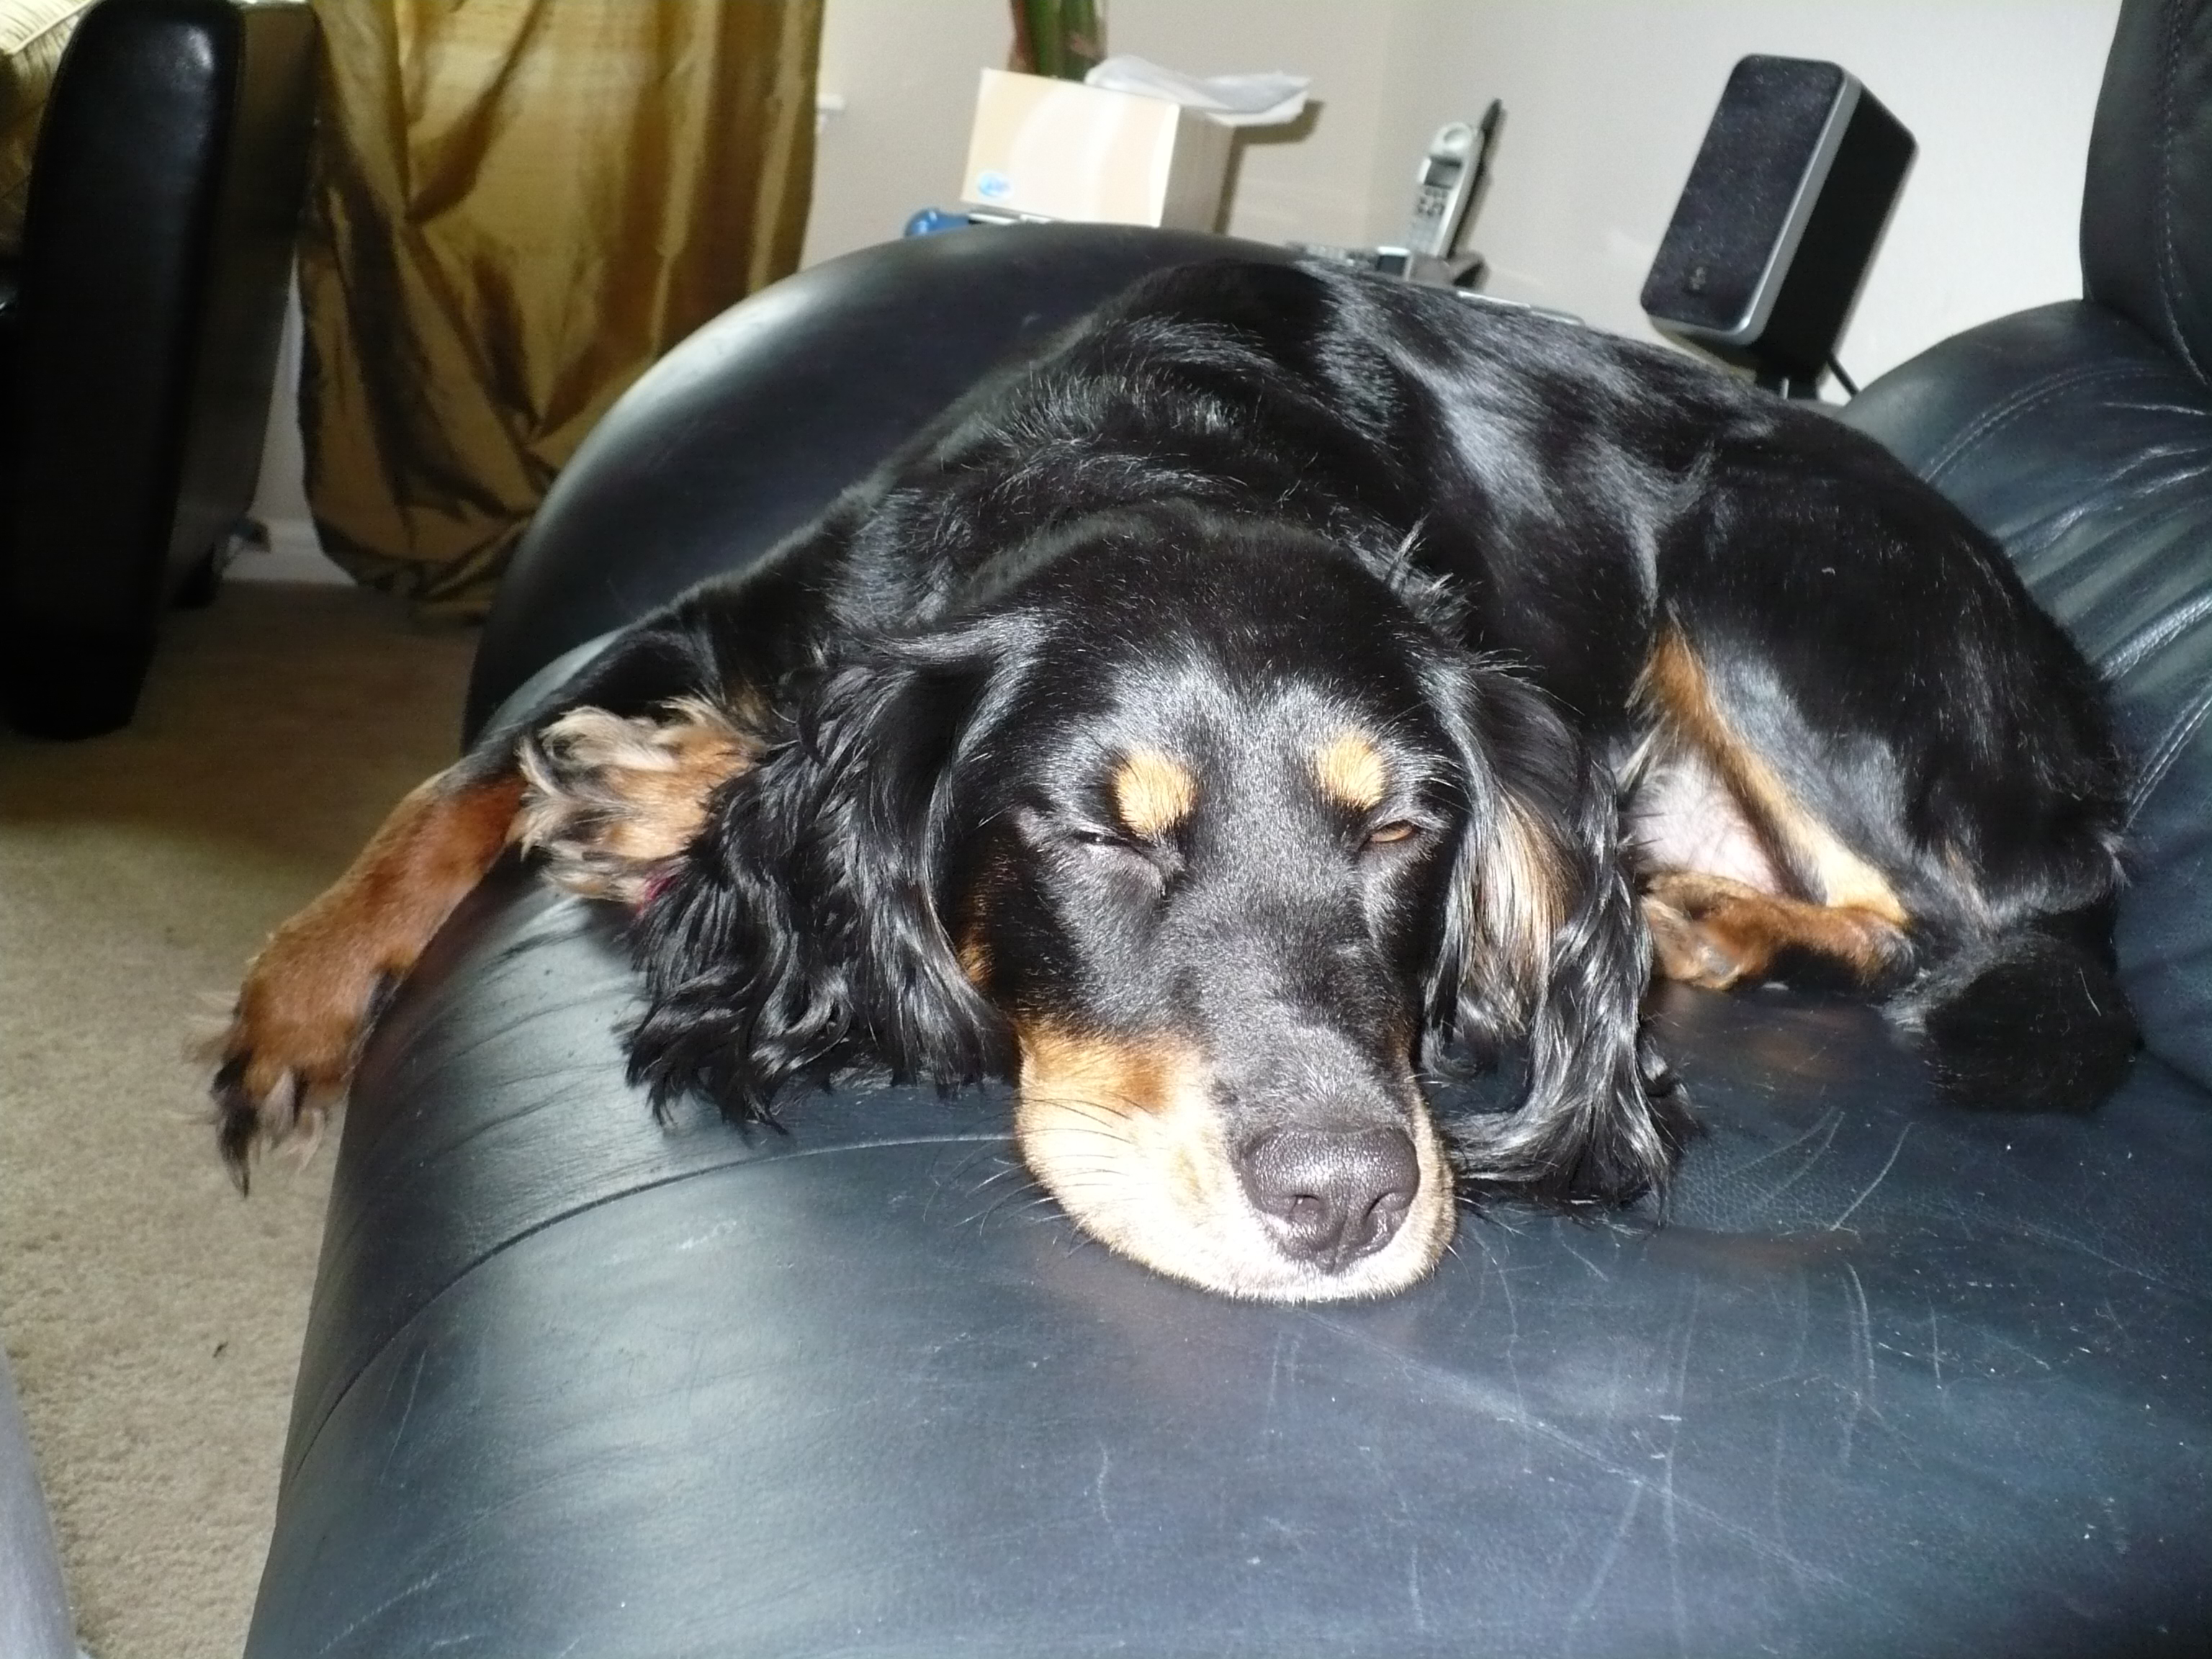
pixel 518 205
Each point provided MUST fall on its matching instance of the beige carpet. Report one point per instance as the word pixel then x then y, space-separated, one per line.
pixel 154 1318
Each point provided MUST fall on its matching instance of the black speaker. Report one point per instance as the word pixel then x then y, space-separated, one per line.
pixel 1778 222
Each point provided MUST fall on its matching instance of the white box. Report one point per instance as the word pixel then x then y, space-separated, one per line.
pixel 1059 149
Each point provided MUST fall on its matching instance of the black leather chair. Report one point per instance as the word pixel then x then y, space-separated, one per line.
pixel 138 337
pixel 1894 1380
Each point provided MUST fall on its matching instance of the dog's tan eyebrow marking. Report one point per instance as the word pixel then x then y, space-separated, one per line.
pixel 1153 793
pixel 1351 772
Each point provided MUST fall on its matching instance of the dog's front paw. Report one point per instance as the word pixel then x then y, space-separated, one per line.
pixel 1719 933
pixel 1687 914
pixel 285 1060
pixel 611 800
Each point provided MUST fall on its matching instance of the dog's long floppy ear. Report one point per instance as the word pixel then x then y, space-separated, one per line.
pixel 1543 940
pixel 800 935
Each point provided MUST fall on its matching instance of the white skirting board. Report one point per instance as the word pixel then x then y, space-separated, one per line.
pixel 287 551
pixel 282 545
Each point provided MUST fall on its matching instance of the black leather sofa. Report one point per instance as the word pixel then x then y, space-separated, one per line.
pixel 138 334
pixel 1894 1380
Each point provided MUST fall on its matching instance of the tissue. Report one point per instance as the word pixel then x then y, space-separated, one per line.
pixel 1235 101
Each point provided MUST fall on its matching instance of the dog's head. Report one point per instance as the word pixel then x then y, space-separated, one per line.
pixel 1208 834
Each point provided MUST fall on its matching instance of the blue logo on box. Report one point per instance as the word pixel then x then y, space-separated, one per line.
pixel 992 185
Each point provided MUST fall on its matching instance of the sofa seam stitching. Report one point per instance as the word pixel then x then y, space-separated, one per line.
pixel 2022 402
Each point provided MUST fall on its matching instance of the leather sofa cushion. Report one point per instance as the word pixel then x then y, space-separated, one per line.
pixel 1894 1381
pixel 32 35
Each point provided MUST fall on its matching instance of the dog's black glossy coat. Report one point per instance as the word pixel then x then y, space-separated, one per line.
pixel 1464 526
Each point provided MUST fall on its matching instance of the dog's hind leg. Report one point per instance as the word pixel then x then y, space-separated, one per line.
pixel 1743 882
pixel 1909 739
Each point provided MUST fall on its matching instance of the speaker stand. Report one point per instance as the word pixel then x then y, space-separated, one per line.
pixel 1789 385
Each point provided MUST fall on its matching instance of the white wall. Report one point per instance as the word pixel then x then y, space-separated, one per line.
pixel 907 72
pixel 295 554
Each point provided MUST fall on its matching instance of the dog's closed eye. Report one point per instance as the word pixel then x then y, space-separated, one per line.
pixel 1155 861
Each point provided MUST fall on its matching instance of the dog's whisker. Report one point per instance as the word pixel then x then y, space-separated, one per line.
pixel 1008 1168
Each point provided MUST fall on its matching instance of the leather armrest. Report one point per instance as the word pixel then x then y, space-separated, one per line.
pixel 156 246
pixel 771 391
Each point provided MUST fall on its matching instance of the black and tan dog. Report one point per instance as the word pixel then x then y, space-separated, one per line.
pixel 1285 676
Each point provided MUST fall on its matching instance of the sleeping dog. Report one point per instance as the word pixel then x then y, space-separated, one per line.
pixel 1287 677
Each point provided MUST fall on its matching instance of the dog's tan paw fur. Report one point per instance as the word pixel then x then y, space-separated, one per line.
pixel 312 994
pixel 611 800
pixel 286 1058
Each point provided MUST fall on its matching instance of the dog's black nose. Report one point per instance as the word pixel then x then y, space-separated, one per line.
pixel 1331 1196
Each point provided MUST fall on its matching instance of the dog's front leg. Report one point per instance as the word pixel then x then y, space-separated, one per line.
pixel 603 801
pixel 311 993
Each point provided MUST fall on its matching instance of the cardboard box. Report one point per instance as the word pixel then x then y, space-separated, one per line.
pixel 1059 149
